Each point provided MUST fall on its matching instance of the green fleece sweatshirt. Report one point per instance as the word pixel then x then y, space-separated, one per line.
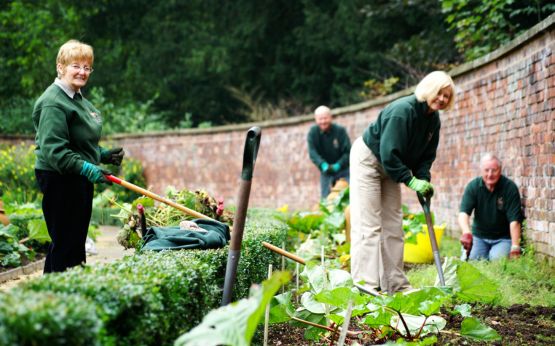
pixel 493 211
pixel 404 139
pixel 67 131
pixel 332 146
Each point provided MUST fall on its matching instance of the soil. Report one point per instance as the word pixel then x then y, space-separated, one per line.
pixel 517 325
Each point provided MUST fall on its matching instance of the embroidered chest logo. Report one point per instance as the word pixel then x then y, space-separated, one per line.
pixel 500 203
pixel 430 135
pixel 335 143
pixel 96 117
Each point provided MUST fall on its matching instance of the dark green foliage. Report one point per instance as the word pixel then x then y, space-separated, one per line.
pixel 44 318
pixel 157 62
pixel 482 26
pixel 171 64
pixel 149 298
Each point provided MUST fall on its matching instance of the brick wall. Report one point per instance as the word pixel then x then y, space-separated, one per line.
pixel 505 104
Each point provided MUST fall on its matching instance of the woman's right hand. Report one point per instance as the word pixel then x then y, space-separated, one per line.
pixel 421 186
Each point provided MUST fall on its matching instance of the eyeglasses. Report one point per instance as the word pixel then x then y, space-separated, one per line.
pixel 79 68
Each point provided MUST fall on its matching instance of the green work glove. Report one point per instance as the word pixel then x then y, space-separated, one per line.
pixel 112 156
pixel 423 187
pixel 324 167
pixel 335 167
pixel 94 173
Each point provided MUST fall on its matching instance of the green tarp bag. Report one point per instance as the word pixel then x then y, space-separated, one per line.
pixel 213 235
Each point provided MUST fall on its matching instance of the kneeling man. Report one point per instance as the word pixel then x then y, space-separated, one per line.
pixel 498 216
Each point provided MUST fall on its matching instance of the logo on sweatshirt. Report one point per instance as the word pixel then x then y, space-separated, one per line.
pixel 430 135
pixel 96 117
pixel 335 143
pixel 500 203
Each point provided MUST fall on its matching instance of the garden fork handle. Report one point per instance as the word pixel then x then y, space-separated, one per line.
pixel 425 202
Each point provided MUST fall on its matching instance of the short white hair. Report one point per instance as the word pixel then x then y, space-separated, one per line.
pixel 322 110
pixel 489 157
pixel 429 87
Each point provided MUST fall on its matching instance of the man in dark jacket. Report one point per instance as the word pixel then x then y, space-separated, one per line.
pixel 498 215
pixel 328 147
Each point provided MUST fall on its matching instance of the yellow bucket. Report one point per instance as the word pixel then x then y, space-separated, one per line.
pixel 421 252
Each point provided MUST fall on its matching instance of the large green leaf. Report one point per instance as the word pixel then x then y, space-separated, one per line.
pixel 474 286
pixel 281 308
pixel 465 310
pixel 473 328
pixel 235 323
pixel 339 278
pixel 38 231
pixel 311 304
pixel 378 316
pixel 340 297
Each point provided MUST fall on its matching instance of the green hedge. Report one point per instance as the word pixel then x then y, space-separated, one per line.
pixel 145 299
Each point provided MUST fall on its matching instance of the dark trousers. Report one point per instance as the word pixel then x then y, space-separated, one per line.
pixel 67 208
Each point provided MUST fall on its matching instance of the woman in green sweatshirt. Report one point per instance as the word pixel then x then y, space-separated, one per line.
pixel 68 128
pixel 399 147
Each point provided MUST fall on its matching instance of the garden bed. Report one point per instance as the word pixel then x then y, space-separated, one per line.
pixel 518 325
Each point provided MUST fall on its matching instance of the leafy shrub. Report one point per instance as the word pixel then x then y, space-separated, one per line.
pixel 17 174
pixel 10 250
pixel 130 118
pixel 152 297
pixel 46 318
pixel 16 115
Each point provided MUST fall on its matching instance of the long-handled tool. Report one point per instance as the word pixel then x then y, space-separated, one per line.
pixel 152 195
pixel 252 143
pixel 425 202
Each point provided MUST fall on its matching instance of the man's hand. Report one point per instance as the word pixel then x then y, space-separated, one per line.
pixel 94 173
pixel 335 167
pixel 515 252
pixel 466 241
pixel 112 156
pixel 423 187
pixel 324 167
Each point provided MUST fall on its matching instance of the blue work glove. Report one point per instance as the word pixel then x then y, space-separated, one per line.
pixel 112 156
pixel 423 187
pixel 335 167
pixel 324 167
pixel 94 173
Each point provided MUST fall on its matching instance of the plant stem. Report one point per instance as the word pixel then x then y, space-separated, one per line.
pixel 404 324
pixel 349 333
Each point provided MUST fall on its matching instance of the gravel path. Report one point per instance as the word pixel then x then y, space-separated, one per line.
pixel 106 245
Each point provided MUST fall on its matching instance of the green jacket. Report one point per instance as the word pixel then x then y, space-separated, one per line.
pixel 67 131
pixel 215 236
pixel 493 211
pixel 404 139
pixel 332 146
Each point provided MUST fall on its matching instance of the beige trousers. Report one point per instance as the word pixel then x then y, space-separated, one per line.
pixel 377 238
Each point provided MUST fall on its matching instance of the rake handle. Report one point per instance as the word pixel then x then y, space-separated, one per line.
pixel 154 196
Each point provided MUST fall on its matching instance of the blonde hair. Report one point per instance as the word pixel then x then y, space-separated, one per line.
pixel 429 87
pixel 74 50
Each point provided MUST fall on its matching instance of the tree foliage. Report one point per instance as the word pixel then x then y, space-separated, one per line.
pixel 482 26
pixel 207 61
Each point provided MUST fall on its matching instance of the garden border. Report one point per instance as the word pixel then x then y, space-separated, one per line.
pixel 16 273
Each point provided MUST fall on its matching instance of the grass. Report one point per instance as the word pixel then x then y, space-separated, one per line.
pixel 522 281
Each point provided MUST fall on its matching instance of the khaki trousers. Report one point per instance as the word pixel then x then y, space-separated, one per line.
pixel 377 238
